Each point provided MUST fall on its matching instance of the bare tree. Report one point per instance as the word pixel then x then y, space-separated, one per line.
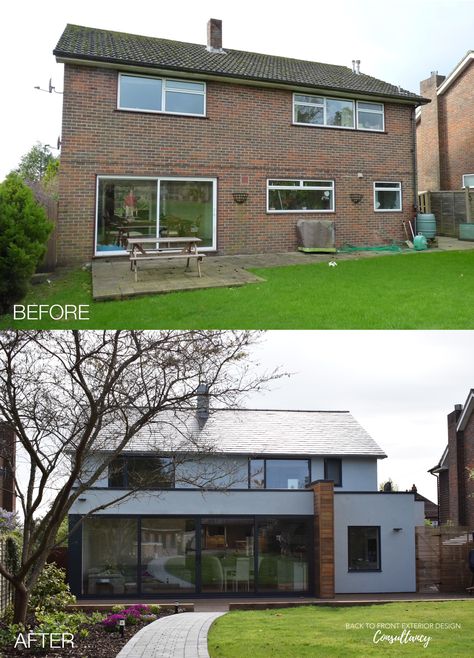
pixel 68 394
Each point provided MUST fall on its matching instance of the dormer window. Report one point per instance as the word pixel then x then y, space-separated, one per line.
pixel 143 93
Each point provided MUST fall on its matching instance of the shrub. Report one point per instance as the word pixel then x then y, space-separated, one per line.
pixel 51 592
pixel 59 621
pixel 24 230
pixel 131 614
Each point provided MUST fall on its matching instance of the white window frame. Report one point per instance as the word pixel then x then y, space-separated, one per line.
pixel 164 89
pixel 355 105
pixel 464 182
pixel 382 112
pixel 388 189
pixel 157 179
pixel 331 188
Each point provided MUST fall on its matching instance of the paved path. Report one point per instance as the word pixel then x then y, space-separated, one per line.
pixel 177 636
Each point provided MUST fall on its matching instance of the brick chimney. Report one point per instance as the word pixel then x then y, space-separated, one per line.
pixel 202 405
pixel 428 135
pixel 214 35
pixel 456 467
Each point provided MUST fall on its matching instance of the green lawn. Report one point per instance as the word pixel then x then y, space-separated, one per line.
pixel 322 631
pixel 405 291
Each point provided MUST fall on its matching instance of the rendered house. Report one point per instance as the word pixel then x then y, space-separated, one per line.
pixel 455 484
pixel 286 504
pixel 445 131
pixel 168 138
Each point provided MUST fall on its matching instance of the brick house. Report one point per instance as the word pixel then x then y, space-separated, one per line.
pixel 445 129
pixel 455 486
pixel 285 503
pixel 171 136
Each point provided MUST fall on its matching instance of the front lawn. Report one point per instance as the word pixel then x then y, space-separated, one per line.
pixel 405 291
pixel 346 631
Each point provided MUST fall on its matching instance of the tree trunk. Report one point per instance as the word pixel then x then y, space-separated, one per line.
pixel 21 603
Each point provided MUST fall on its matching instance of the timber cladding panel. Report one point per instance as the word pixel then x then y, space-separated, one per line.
pixel 324 538
pixel 246 138
pixel 442 558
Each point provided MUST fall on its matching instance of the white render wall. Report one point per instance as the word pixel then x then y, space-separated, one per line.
pixel 388 511
pixel 358 474
pixel 193 502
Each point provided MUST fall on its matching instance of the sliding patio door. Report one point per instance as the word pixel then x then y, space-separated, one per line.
pixel 187 208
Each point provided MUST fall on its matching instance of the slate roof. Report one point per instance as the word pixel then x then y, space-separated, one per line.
pixel 257 431
pixel 92 44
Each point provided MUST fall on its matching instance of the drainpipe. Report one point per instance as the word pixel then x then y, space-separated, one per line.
pixel 415 164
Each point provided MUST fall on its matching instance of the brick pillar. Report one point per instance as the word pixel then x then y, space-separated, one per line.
pixel 323 538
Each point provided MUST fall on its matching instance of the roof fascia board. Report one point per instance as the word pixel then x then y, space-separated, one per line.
pixel 256 455
pixel 183 73
pixel 456 73
pixel 467 411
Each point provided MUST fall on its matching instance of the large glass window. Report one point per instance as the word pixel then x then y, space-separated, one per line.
pixel 142 472
pixel 387 197
pixel 322 111
pixel 150 94
pixel 125 208
pixel 168 555
pixel 364 548
pixel 468 180
pixel 131 208
pixel 187 208
pixel 300 196
pixel 109 556
pixel 227 549
pixel 279 473
pixel 283 555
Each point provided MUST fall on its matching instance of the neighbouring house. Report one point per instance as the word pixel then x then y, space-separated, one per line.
pixel 286 503
pixel 7 468
pixel 455 469
pixel 169 138
pixel 431 509
pixel 445 129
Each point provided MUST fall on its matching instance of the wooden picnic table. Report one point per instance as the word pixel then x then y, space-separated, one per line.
pixel 131 230
pixel 139 251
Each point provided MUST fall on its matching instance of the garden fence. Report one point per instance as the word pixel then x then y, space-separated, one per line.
pixel 442 558
pixel 450 208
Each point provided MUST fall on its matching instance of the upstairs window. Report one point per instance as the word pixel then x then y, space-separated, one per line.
pixel 149 94
pixel 279 473
pixel 142 472
pixel 333 471
pixel 300 196
pixel 337 112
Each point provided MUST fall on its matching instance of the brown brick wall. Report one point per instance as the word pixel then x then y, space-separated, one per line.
pixel 247 132
pixel 469 481
pixel 445 134
pixel 455 466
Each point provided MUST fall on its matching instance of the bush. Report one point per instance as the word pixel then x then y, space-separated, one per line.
pixel 24 230
pixel 51 592
pixel 131 614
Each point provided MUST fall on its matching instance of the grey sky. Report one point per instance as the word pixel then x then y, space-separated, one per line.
pixel 397 42
pixel 400 385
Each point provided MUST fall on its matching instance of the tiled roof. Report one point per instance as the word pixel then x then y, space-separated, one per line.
pixel 85 43
pixel 256 431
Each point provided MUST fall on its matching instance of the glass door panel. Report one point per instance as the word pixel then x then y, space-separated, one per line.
pixel 168 559
pixel 227 562
pixel 283 555
pixel 187 209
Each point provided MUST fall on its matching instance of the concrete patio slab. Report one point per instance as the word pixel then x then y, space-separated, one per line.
pixel 177 636
pixel 113 279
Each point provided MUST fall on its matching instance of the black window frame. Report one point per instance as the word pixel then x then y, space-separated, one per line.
pixel 265 459
pixel 376 569
pixel 125 462
pixel 338 460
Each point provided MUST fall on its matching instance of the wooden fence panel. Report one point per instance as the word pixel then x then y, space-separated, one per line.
pixel 50 204
pixel 449 208
pixel 442 559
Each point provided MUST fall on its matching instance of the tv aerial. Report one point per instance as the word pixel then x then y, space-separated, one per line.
pixel 50 88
